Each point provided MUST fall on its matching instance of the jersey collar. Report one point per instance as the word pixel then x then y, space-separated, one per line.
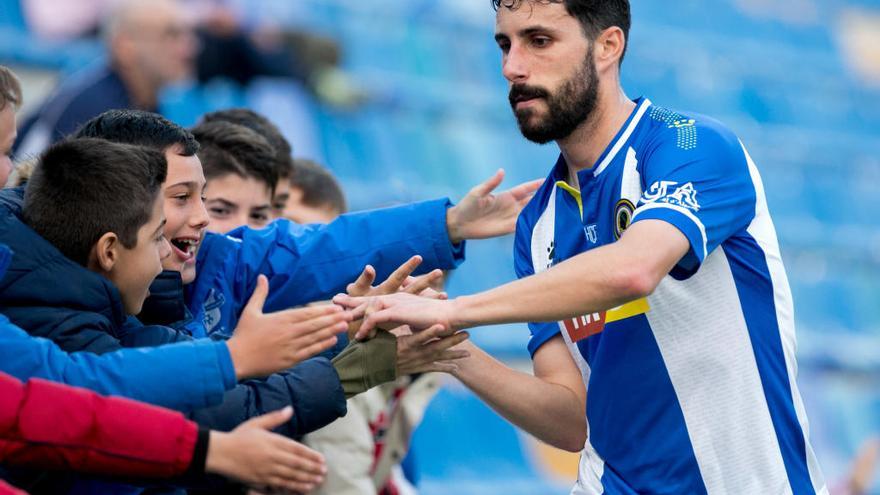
pixel 623 135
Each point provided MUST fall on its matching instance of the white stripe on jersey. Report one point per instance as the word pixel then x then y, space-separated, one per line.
pixel 764 232
pixel 631 182
pixel 623 137
pixel 713 370
pixel 591 466
pixel 683 211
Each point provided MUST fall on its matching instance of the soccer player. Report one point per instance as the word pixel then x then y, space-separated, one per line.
pixel 651 275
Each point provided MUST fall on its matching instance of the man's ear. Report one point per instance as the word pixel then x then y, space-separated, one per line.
pixel 610 45
pixel 105 253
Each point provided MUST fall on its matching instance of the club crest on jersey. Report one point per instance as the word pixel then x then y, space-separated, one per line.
pixel 665 191
pixel 623 214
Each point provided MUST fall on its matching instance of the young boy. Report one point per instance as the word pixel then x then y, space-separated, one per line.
pixel 315 195
pixel 283 151
pixel 241 177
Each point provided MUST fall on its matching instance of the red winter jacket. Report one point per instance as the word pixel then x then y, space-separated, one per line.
pixel 54 426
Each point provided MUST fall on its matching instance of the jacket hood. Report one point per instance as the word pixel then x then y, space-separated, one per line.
pixel 38 274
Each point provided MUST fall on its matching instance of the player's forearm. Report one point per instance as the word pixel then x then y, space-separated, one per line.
pixel 589 283
pixel 525 400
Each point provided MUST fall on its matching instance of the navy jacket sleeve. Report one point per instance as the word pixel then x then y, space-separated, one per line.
pixel 141 374
pixel 307 263
pixel 312 388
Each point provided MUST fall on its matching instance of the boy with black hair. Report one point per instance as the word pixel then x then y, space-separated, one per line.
pixel 240 172
pixel 283 150
pixel 315 195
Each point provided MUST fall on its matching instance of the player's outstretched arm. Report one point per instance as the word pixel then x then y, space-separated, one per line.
pixel 595 281
pixel 549 405
pixel 481 214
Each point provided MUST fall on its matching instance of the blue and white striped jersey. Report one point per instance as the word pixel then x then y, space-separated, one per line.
pixel 692 389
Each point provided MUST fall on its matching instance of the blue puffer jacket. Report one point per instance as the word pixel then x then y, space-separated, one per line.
pixel 306 263
pixel 50 296
pixel 141 374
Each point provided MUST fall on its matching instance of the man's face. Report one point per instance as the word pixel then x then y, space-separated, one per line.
pixel 184 207
pixel 549 65
pixel 136 268
pixel 300 212
pixel 7 138
pixel 234 201
pixel 164 43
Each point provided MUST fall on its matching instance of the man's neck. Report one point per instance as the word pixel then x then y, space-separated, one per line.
pixel 583 147
pixel 144 93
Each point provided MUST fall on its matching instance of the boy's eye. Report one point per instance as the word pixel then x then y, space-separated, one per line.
pixel 182 197
pixel 219 212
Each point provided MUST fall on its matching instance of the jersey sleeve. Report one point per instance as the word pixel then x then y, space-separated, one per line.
pixel 539 332
pixel 698 180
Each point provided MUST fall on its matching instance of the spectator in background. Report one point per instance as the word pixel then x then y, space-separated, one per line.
pixel 240 173
pixel 283 151
pixel 315 195
pixel 10 100
pixel 149 45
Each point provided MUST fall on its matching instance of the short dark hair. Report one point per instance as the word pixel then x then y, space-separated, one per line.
pixel 84 188
pixel 262 126
pixel 10 88
pixel 319 187
pixel 229 148
pixel 141 128
pixel 595 16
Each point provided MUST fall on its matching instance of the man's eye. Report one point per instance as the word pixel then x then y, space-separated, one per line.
pixel 219 212
pixel 540 42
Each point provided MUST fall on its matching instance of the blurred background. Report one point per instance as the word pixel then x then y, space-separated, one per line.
pixel 403 100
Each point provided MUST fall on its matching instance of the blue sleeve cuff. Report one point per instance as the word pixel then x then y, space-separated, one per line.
pixel 689 225
pixel 226 367
pixel 541 334
pixel 449 255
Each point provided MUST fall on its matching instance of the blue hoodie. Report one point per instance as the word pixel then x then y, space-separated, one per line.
pixel 306 263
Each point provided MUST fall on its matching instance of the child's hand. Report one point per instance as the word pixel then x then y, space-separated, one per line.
pixel 264 343
pixel 264 460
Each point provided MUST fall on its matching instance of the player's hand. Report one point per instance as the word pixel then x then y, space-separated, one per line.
pixel 428 351
pixel 252 454
pixel 481 214
pixel 420 313
pixel 264 343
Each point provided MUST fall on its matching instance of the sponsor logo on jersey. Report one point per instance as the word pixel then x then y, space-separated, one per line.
pixel 586 326
pixel 665 191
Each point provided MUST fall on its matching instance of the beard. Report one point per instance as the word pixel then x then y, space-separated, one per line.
pixel 569 107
